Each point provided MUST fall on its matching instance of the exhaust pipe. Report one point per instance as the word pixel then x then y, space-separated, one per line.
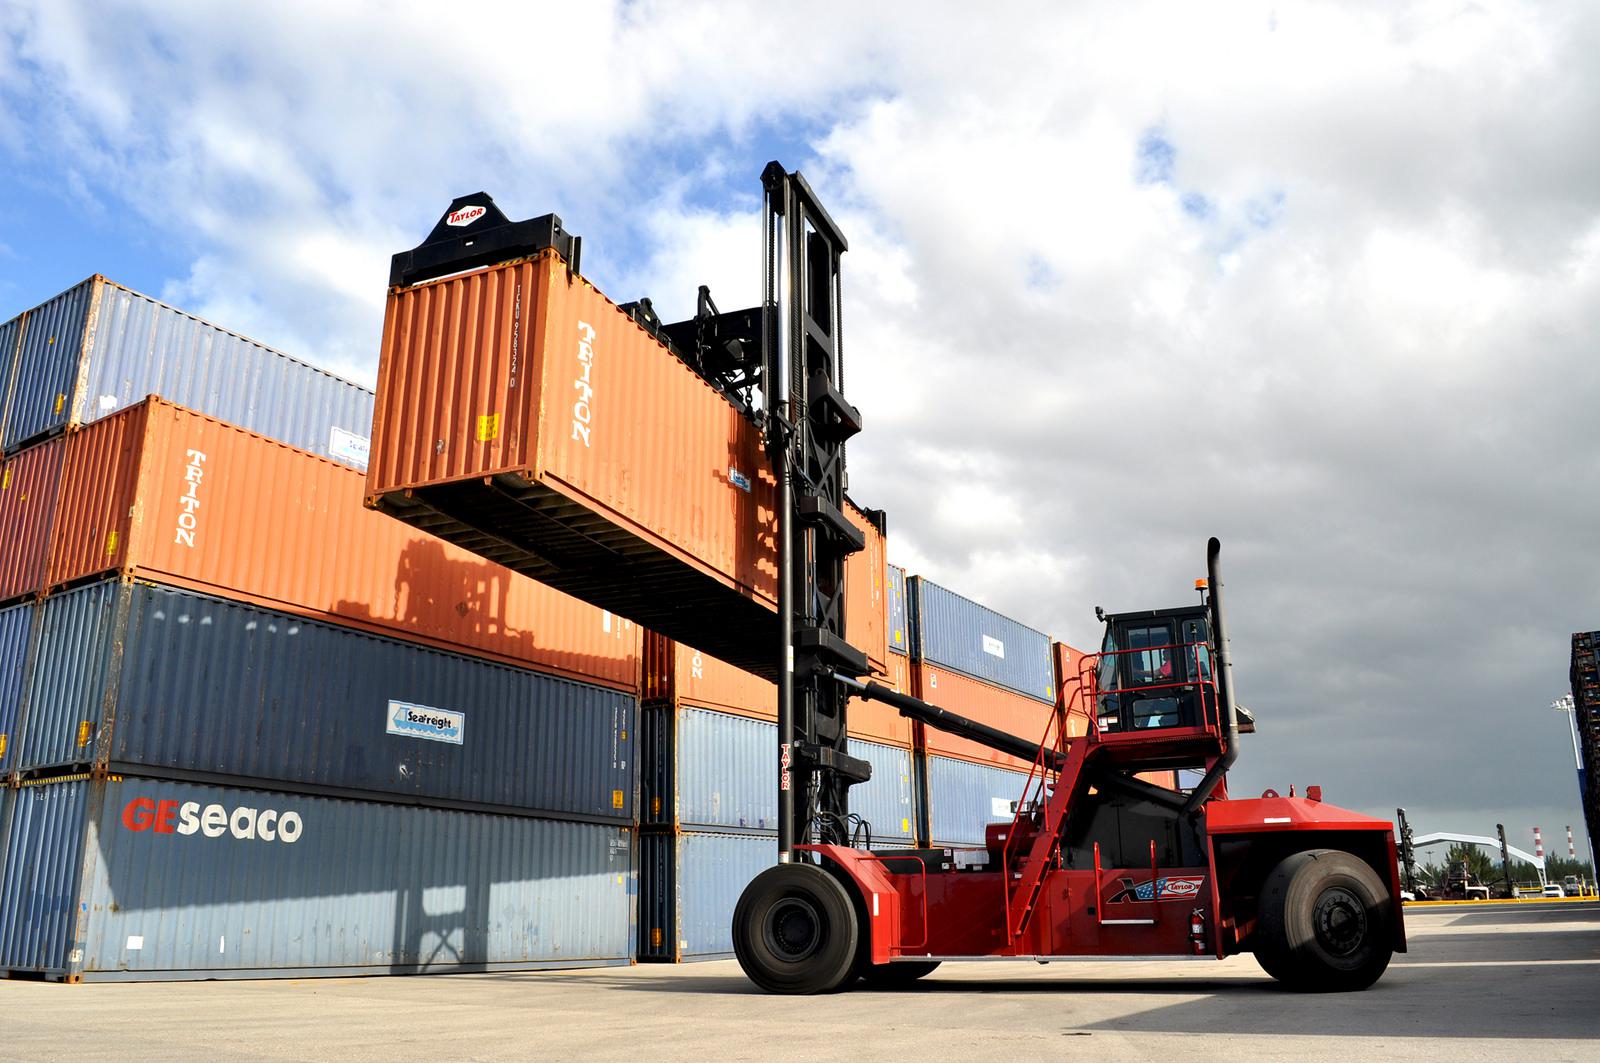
pixel 1224 666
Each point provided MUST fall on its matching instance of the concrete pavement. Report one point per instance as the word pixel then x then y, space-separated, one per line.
pixel 1480 983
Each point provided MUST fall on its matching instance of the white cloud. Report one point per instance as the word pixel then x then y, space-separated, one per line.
pixel 1369 365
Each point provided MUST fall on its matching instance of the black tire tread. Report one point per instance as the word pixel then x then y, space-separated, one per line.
pixel 823 972
pixel 1290 887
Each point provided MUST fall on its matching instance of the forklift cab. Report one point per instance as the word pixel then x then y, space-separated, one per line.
pixel 1155 671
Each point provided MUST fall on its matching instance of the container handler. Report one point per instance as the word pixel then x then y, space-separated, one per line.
pixel 1095 862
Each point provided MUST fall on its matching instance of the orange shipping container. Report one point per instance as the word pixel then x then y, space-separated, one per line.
pixel 168 494
pixel 1069 688
pixel 1016 714
pixel 879 722
pixel 29 480
pixel 524 416
pixel 866 599
pixel 700 680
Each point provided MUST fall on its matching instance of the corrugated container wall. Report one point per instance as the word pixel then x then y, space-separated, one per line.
pixel 143 879
pixel 143 678
pixel 1013 713
pixel 866 600
pixel 10 338
pixel 723 773
pixel 16 627
pixel 30 482
pixel 169 495
pixel 100 348
pixel 960 634
pixel 964 798
pixel 689 884
pixel 703 680
pixel 899 631
pixel 47 364
pixel 1071 696
pixel 875 721
pixel 680 673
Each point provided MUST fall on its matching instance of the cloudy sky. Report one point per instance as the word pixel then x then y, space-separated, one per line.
pixel 1323 280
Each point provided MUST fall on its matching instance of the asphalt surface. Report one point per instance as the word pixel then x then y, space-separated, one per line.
pixel 1481 982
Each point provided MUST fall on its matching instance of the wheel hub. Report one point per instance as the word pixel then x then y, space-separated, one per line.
pixel 1340 921
pixel 793 929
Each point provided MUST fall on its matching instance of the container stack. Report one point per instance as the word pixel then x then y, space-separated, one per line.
pixel 1585 679
pixel 251 728
pixel 969 659
pixel 709 775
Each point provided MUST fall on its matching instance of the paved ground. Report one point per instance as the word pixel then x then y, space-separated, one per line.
pixel 1490 982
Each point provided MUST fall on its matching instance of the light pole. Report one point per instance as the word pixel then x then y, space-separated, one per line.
pixel 1565 704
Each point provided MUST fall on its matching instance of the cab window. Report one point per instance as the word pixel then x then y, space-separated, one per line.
pixel 1152 663
pixel 1196 648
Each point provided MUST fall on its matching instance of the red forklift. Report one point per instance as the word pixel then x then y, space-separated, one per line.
pixel 1096 862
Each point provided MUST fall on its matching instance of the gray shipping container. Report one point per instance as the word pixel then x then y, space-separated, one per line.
pixel 964 798
pixel 714 770
pixel 960 634
pixel 688 885
pixel 16 624
pixel 99 347
pixel 899 629
pixel 137 677
pixel 10 338
pixel 145 879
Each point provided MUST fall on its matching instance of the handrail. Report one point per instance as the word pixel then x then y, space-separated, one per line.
pixel 1089 680
pixel 922 870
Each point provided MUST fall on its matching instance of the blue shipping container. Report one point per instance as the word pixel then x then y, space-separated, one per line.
pixel 10 337
pixel 721 771
pixel 16 625
pixel 139 677
pixel 689 884
pixel 99 348
pixel 144 879
pixel 899 633
pixel 960 634
pixel 964 798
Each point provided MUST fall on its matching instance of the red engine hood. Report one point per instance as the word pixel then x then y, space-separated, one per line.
pixel 1254 815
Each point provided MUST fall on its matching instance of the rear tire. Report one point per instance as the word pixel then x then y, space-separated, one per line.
pixel 896 975
pixel 1324 924
pixel 794 930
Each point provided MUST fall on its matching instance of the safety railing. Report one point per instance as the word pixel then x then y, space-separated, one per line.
pixel 1200 682
pixel 922 871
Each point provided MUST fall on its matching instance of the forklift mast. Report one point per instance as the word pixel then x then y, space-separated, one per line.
pixel 807 423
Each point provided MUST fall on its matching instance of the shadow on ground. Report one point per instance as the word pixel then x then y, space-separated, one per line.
pixel 1451 985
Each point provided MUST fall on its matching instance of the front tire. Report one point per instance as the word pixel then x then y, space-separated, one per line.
pixel 1324 924
pixel 794 930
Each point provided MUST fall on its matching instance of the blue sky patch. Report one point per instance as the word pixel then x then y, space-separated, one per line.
pixel 1154 158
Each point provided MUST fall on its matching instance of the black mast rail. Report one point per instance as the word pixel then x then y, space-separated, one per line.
pixel 807 424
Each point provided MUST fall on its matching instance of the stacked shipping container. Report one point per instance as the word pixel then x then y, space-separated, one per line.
pixel 1584 675
pixel 253 727
pixel 709 782
pixel 99 347
pixel 344 763
pixel 973 661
